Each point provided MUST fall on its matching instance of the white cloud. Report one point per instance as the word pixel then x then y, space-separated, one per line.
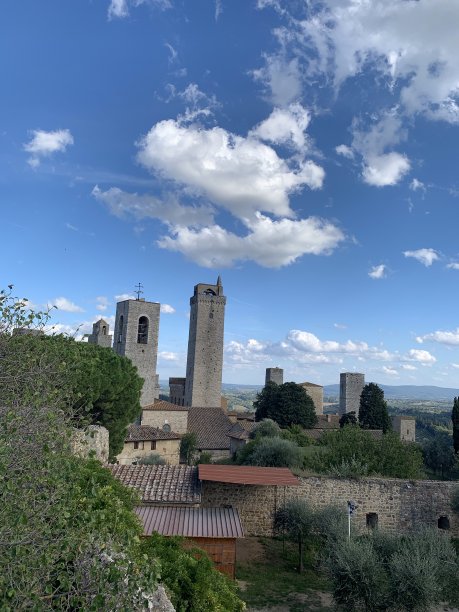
pixel 44 144
pixel 389 371
pixel 64 304
pixel 424 256
pixel 408 367
pixel 167 309
pixel 281 77
pixel 120 8
pixel 122 297
pixel 455 365
pixel 240 174
pixel 377 272
pixel 453 266
pixel 102 303
pixel 271 244
pixel 421 356
pixel 345 151
pixel 417 185
pixel 384 170
pixel 168 356
pixel 450 338
pixel 168 210
pixel 339 326
pixel 285 126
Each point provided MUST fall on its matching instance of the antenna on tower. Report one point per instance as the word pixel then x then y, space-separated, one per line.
pixel 138 290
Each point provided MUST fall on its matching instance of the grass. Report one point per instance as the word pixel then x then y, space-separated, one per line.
pixel 272 577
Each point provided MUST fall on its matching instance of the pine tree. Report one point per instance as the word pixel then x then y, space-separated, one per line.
pixel 373 412
pixel 455 419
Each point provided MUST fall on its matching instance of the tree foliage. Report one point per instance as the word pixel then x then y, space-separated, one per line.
pixel 287 404
pixel 296 519
pixel 267 428
pixel 455 420
pixel 270 452
pixel 439 455
pixel 348 418
pixel 387 456
pixel 188 447
pixel 373 413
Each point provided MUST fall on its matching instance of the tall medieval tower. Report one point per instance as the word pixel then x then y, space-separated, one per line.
pixel 204 365
pixel 136 337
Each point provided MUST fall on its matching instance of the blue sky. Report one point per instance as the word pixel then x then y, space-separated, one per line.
pixel 305 151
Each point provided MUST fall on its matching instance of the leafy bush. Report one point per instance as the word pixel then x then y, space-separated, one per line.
pixel 296 519
pixel 296 434
pixel 270 452
pixel 267 428
pixel 153 459
pixel 204 458
pixel 349 468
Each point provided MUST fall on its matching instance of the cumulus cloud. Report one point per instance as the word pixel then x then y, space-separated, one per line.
pixel 417 185
pixel 423 357
pixel 424 256
pixel 377 272
pixel 389 371
pixel 271 244
pixel 167 309
pixel 281 77
pixel 285 126
pixel 66 305
pixel 240 174
pixel 43 144
pixel 450 338
pixel 384 170
pixel 122 297
pixel 453 265
pixel 168 356
pixel 120 8
pixel 345 151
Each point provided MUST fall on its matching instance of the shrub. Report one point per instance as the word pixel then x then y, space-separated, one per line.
pixel 153 459
pixel 296 434
pixel 267 428
pixel 271 452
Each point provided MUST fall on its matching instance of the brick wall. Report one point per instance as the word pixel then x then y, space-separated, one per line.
pixel 400 504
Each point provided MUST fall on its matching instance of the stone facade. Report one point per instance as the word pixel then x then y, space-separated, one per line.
pixel 92 440
pixel 136 337
pixel 275 375
pixel 316 393
pixel 205 346
pixel 405 427
pixel 177 419
pixel 133 451
pixel 177 391
pixel 100 334
pixel 400 505
pixel 351 385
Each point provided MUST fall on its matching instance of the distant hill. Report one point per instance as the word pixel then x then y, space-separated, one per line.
pixel 407 392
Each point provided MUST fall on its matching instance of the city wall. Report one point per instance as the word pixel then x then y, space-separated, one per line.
pixel 400 505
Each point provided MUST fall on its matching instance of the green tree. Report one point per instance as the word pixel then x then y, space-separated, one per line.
pixel 455 419
pixel 270 452
pixel 296 519
pixel 348 418
pixel 287 404
pixel 188 447
pixel 373 412
pixel 267 428
pixel 439 455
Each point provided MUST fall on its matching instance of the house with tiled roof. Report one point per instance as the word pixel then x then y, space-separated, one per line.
pixel 239 434
pixel 211 426
pixel 162 413
pixel 141 441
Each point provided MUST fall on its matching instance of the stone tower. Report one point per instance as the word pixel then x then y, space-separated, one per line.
pixel 204 364
pixel 100 334
pixel 136 337
pixel 275 375
pixel 350 389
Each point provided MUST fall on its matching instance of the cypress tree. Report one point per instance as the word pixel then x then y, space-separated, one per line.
pixel 455 419
pixel 373 412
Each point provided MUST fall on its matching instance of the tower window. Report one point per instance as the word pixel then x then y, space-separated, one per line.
pixel 142 332
pixel 104 330
pixel 120 329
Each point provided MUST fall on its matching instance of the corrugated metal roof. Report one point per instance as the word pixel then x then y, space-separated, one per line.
pixel 191 522
pixel 244 474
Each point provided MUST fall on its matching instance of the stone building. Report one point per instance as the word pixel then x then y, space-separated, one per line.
pixel 142 441
pixel 350 388
pixel 275 375
pixel 100 334
pixel 136 337
pixel 162 413
pixel 404 427
pixel 316 393
pixel 211 426
pixel 177 391
pixel 205 346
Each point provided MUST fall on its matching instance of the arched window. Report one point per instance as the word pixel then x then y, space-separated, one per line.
pixel 104 330
pixel 120 328
pixel 142 332
pixel 166 427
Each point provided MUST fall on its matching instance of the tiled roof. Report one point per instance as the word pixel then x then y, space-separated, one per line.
pixel 327 421
pixel 163 405
pixel 211 426
pixel 161 484
pixel 242 430
pixel 241 416
pixel 139 433
pixel 191 522
pixel 245 474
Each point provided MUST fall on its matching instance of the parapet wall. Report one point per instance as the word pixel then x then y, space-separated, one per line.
pixel 401 505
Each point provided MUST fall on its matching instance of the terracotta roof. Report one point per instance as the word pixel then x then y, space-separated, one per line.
pixel 211 426
pixel 191 522
pixel 327 421
pixel 250 475
pixel 242 430
pixel 162 484
pixel 163 405
pixel 241 416
pixel 138 433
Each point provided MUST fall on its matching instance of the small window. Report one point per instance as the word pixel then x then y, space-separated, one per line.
pixel 120 329
pixel 153 445
pixel 104 330
pixel 136 445
pixel 142 332
pixel 443 523
pixel 166 427
pixel 372 520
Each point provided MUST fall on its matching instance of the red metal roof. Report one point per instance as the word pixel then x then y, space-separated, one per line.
pixel 244 474
pixel 191 522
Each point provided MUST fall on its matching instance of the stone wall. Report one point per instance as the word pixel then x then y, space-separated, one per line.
pixel 177 419
pixel 92 440
pixel 351 385
pixel 400 504
pixel 316 393
pixel 168 449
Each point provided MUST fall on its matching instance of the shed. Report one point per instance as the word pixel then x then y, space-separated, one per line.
pixel 214 530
